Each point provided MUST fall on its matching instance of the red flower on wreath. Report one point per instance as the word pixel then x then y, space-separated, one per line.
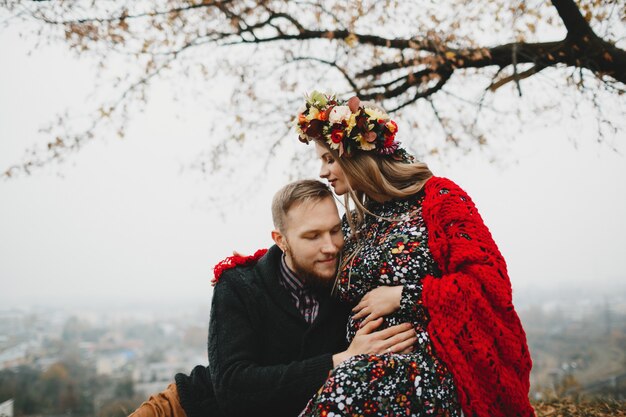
pixel 389 140
pixel 336 135
pixel 391 128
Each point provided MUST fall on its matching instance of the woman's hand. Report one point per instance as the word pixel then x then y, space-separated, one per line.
pixel 395 339
pixel 378 303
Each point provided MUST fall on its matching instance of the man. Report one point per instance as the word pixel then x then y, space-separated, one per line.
pixel 275 333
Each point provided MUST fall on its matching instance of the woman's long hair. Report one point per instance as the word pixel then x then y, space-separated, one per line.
pixel 377 177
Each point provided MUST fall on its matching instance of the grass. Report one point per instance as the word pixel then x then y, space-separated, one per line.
pixel 564 407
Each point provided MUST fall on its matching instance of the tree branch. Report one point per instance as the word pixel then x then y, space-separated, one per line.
pixel 399 70
pixel 125 16
pixel 515 77
pixel 429 92
pixel 576 25
pixel 331 64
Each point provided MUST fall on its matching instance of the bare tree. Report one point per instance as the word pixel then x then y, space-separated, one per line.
pixel 433 64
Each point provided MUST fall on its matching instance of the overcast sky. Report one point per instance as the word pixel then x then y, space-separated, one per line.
pixel 124 221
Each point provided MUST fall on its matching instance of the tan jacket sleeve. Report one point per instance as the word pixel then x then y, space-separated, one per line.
pixel 163 404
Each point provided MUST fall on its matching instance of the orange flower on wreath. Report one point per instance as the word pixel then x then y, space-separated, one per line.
pixel 391 126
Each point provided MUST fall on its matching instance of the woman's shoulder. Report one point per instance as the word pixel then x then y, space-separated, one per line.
pixel 441 186
pixel 444 194
pixel 440 183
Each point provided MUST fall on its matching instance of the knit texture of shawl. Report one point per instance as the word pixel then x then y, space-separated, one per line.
pixel 233 261
pixel 473 325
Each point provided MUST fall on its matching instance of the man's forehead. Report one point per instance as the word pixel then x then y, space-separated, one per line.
pixel 312 204
pixel 312 211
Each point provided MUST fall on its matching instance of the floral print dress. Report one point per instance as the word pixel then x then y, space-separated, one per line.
pixel 392 251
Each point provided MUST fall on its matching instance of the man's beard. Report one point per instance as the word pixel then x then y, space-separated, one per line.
pixel 313 282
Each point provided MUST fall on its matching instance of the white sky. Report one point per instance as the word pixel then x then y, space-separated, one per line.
pixel 124 223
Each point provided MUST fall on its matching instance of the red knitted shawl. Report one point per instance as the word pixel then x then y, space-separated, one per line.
pixel 473 325
pixel 233 261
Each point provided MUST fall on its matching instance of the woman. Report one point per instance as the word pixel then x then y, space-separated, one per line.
pixel 416 249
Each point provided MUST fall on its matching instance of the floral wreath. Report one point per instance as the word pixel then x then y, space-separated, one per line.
pixel 348 126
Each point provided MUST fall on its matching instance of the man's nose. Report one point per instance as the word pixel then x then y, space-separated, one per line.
pixel 329 246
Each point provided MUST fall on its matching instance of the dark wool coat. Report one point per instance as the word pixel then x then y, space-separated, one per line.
pixel 264 358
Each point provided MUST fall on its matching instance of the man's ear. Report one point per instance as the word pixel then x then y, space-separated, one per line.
pixel 279 239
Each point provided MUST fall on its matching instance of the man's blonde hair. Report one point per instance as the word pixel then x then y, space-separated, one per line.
pixel 296 192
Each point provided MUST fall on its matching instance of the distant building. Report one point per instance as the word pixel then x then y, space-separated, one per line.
pixel 155 377
pixel 6 409
pixel 109 363
pixel 160 371
pixel 14 356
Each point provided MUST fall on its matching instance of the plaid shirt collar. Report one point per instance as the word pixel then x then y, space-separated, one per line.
pixel 305 301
